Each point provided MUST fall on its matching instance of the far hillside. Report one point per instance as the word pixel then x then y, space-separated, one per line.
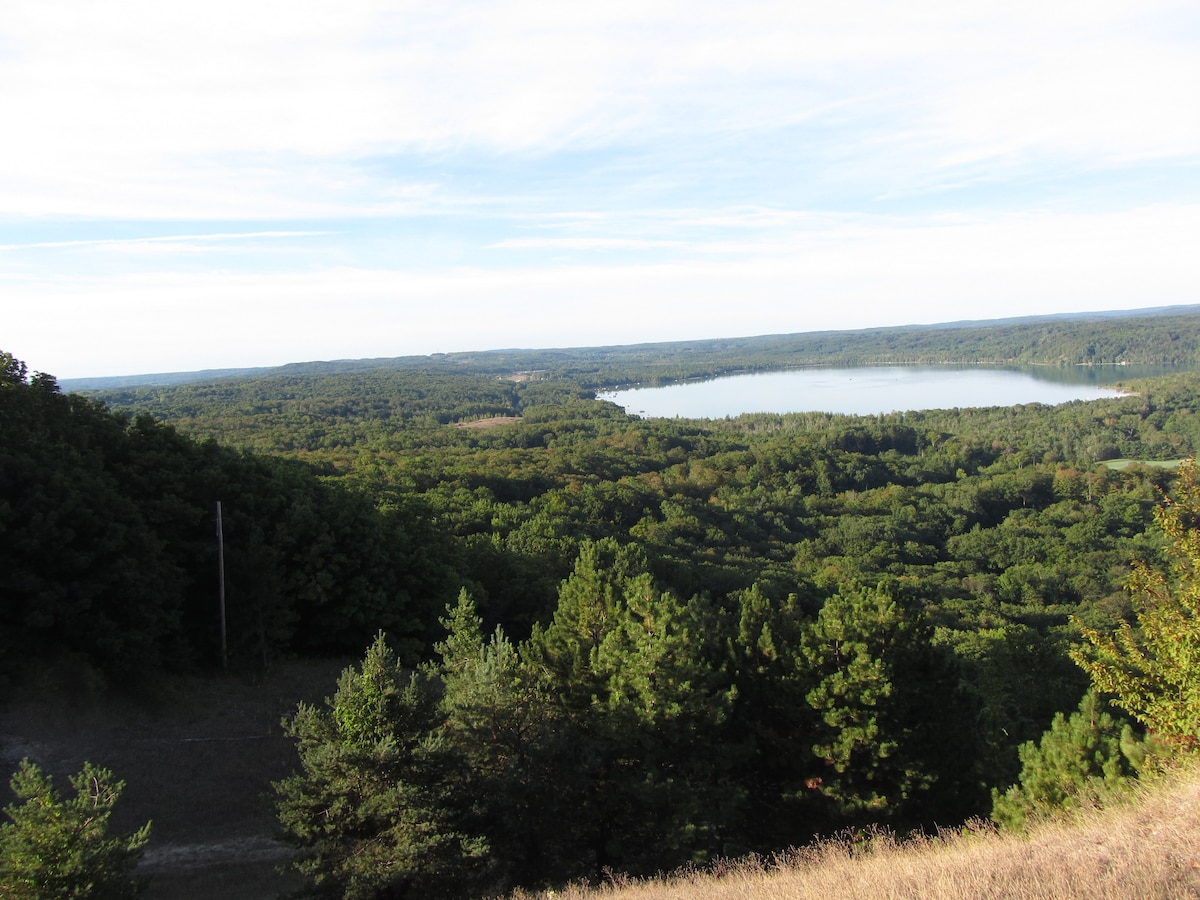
pixel 1165 336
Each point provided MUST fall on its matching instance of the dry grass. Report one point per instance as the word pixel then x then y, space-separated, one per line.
pixel 1149 848
pixel 200 765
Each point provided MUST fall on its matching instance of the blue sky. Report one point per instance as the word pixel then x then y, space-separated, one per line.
pixel 187 186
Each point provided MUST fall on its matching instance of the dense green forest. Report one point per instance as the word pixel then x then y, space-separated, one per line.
pixel 642 643
pixel 109 548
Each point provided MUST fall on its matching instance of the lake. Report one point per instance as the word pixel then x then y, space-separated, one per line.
pixel 869 390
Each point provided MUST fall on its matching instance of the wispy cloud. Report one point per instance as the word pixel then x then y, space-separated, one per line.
pixel 583 243
pixel 119 243
pixel 267 110
pixel 868 272
pixel 694 168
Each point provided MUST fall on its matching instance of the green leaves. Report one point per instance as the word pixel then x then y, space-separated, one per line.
pixel 629 672
pixel 108 551
pixel 850 653
pixel 1154 670
pixel 60 848
pixel 370 809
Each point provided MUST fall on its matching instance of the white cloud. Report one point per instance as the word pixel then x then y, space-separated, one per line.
pixel 160 108
pixel 1113 99
pixel 552 138
pixel 867 272
pixel 583 243
pixel 171 239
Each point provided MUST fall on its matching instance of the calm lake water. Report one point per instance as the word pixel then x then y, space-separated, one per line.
pixel 870 390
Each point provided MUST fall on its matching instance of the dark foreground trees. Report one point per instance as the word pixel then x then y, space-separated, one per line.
pixel 634 732
pixel 60 847
pixel 108 554
pixel 369 807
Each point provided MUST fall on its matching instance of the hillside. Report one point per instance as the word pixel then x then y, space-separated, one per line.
pixel 1161 336
pixel 198 756
pixel 1148 849
pixel 199 761
pixel 642 643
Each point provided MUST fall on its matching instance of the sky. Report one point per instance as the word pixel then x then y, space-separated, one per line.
pixel 191 186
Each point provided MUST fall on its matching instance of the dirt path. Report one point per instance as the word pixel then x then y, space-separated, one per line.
pixel 198 762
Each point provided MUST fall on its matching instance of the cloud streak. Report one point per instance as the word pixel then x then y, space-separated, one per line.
pixel 694 168
pixel 158 98
pixel 111 243
pixel 865 273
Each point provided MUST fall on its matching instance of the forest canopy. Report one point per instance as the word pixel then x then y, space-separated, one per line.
pixel 689 637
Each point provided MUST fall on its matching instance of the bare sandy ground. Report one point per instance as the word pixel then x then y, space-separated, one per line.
pixel 198 761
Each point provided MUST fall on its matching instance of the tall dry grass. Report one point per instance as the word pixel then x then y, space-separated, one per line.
pixel 1148 847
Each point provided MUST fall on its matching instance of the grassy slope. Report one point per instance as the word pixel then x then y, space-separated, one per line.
pixel 199 761
pixel 1149 848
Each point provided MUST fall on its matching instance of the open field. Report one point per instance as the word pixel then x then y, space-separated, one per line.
pixel 198 760
pixel 1119 464
pixel 490 422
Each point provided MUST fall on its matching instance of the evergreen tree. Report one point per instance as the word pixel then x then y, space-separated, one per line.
pixel 848 653
pixel 60 848
pixel 770 723
pixel 370 809
pixel 511 777
pixel 1081 760
pixel 893 727
pixel 634 706
pixel 588 610
pixel 664 716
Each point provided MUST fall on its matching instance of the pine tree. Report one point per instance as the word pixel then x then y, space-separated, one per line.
pixel 1081 760
pixel 60 848
pixel 562 654
pixel 848 651
pixel 633 704
pixel 510 774
pixel 893 725
pixel 770 721
pixel 371 809
pixel 665 709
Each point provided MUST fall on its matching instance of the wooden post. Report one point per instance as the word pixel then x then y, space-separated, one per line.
pixel 221 590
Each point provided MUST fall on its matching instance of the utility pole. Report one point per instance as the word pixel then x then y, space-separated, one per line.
pixel 221 591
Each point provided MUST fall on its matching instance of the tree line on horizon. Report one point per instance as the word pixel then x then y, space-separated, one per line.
pixel 1157 337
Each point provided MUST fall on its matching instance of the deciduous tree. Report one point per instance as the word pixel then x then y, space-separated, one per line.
pixel 1154 669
